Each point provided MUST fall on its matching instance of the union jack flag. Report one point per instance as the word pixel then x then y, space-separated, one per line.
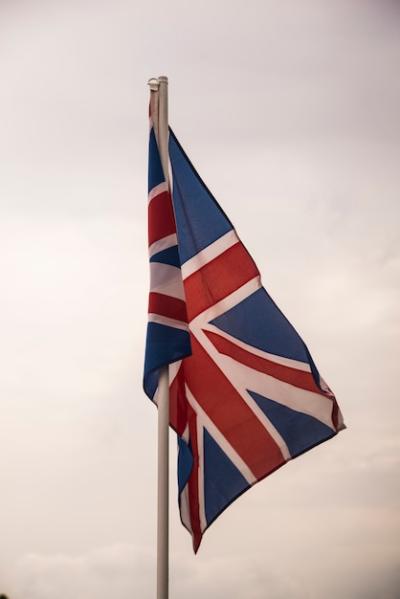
pixel 245 394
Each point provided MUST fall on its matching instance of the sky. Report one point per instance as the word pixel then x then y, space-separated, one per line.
pixel 290 112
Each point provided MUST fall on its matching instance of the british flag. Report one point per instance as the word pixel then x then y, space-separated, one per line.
pixel 245 394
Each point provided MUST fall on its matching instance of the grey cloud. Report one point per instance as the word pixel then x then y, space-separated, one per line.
pixel 125 571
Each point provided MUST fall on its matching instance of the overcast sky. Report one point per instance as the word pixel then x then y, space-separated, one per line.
pixel 290 112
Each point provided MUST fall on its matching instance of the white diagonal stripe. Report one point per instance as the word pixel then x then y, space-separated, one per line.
pixel 220 439
pixel 169 322
pixel 226 303
pixel 163 244
pixel 303 366
pixel 307 402
pixel 219 359
pixel 209 253
pixel 185 508
pixel 166 279
pixel 173 368
pixel 243 377
pixel 160 188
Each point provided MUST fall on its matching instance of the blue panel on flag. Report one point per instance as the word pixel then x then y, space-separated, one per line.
pixel 168 256
pixel 185 463
pixel 164 345
pixel 259 322
pixel 156 175
pixel 199 219
pixel 222 480
pixel 299 431
pixel 150 383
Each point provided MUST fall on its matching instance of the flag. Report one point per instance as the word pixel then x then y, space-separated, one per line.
pixel 245 395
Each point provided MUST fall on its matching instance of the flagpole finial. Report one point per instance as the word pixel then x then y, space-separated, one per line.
pixel 154 84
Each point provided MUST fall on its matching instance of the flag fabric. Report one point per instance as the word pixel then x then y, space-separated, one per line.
pixel 245 395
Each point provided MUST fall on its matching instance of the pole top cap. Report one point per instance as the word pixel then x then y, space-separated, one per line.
pixel 154 84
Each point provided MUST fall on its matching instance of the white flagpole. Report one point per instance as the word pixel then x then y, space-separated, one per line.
pixel 160 87
pixel 163 495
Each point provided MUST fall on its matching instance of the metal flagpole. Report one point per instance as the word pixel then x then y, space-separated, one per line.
pixel 159 88
pixel 163 494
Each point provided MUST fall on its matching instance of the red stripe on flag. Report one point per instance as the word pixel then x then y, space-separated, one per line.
pixel 165 305
pixel 178 406
pixel 181 414
pixel 298 378
pixel 218 278
pixel 230 413
pixel 161 217
pixel 335 413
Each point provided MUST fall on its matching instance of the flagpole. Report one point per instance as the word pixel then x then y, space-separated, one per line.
pixel 163 491
pixel 160 104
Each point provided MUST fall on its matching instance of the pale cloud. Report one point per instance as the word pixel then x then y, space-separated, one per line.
pixel 125 570
pixel 119 571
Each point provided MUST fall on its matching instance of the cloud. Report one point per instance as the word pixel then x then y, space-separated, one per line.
pixel 117 571
pixel 122 571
